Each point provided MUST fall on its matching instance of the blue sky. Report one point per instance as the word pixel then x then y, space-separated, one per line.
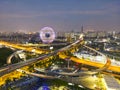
pixel 61 15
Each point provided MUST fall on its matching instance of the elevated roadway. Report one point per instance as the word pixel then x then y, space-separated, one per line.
pixel 102 66
pixel 39 45
pixel 10 68
pixel 12 55
pixel 29 49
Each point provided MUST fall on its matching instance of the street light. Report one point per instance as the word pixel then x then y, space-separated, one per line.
pixel 71 84
pixel 80 86
pixel 51 48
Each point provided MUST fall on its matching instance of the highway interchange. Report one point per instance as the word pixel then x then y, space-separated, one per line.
pixel 10 68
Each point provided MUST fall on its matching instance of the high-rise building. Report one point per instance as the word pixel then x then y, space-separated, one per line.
pixel 82 29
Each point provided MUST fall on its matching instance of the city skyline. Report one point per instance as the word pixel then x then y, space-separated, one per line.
pixel 61 15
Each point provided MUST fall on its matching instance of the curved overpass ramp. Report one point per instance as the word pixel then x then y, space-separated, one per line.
pixel 101 66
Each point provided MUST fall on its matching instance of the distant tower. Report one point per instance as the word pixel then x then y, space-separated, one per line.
pixel 82 29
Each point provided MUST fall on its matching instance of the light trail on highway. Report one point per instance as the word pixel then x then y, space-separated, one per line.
pixel 101 66
pixel 29 49
pixel 13 67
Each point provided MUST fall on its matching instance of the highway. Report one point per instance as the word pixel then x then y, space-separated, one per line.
pixel 105 65
pixel 10 68
pixel 102 66
pixel 64 73
pixel 29 49
pixel 39 45
pixel 12 55
pixel 35 74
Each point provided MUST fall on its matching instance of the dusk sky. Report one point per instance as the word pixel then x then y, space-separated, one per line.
pixel 61 15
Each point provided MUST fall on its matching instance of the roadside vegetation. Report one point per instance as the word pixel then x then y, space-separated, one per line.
pixel 4 53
